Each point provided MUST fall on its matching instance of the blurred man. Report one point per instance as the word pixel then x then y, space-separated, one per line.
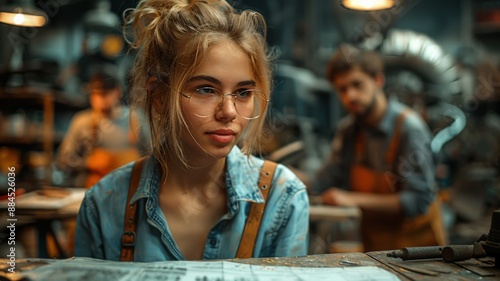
pixel 381 159
pixel 102 137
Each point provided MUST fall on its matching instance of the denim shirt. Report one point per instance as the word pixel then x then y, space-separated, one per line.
pixel 283 231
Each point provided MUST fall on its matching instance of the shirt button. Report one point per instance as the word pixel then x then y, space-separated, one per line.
pixel 213 242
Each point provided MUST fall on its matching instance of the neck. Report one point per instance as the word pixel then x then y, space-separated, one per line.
pixel 198 177
pixel 378 111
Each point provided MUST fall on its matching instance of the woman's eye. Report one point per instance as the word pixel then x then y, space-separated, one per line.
pixel 244 94
pixel 206 91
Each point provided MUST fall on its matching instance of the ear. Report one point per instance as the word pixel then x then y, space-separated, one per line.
pixel 152 89
pixel 380 80
pixel 151 85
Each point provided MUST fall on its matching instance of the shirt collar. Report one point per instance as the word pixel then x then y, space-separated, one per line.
pixel 240 170
pixel 242 174
pixel 386 124
pixel 150 180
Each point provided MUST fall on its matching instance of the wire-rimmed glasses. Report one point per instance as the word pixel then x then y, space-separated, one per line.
pixel 206 101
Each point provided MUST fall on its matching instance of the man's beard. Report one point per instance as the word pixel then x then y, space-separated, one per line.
pixel 362 116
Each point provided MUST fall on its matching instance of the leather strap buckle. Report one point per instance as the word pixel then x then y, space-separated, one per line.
pixel 128 239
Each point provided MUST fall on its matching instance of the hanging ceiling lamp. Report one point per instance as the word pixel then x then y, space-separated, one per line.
pixel 23 13
pixel 101 18
pixel 368 5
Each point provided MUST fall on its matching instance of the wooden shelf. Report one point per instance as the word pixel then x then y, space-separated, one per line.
pixel 24 140
pixel 37 136
pixel 28 97
pixel 28 140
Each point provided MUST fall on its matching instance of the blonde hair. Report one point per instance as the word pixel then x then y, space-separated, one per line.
pixel 172 37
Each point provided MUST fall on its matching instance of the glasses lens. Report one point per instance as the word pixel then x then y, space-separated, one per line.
pixel 206 101
pixel 250 103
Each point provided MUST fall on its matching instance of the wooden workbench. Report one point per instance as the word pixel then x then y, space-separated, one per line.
pixel 449 271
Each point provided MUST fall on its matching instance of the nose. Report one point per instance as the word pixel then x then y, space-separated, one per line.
pixel 226 110
pixel 98 102
pixel 351 93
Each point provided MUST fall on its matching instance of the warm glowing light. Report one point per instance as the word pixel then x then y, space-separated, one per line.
pixel 368 5
pixel 21 19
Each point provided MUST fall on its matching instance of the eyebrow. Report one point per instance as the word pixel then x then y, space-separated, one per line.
pixel 218 82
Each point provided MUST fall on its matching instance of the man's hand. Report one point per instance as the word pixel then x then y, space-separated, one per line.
pixel 337 197
pixel 387 203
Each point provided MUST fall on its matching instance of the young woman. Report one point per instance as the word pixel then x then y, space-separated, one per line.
pixel 202 77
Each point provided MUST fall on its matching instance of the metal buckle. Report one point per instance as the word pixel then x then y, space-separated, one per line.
pixel 126 240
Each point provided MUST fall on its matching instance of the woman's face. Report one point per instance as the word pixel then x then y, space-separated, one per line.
pixel 227 69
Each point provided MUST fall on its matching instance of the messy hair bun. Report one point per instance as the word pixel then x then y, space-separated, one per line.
pixel 171 38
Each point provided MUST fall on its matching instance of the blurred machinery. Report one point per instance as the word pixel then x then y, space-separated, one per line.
pixel 459 99
pixel 302 119
pixel 420 74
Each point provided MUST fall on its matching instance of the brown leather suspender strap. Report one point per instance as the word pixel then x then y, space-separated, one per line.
pixel 128 236
pixel 252 225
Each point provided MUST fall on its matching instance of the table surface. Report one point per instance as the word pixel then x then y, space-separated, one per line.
pixel 333 213
pixel 454 271
pixel 449 271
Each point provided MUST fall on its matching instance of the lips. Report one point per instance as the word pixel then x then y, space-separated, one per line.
pixel 223 132
pixel 222 135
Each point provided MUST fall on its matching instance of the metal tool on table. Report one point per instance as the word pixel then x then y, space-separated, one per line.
pixel 463 252
pixel 349 262
pixel 416 253
pixel 449 253
pixel 491 242
pixel 486 246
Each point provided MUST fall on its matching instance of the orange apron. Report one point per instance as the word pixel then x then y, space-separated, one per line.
pixel 380 231
pixel 108 160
